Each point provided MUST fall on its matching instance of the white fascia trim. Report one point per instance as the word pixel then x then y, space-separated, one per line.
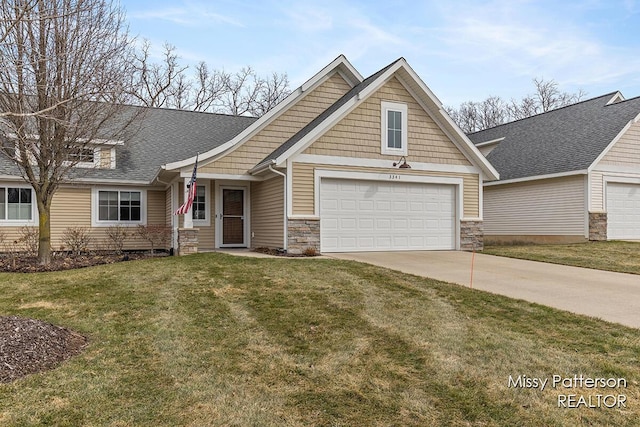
pixel 621 179
pixel 613 142
pixel 222 176
pixel 617 169
pixel 379 163
pixel 493 141
pixel 107 181
pixel 537 177
pixel 471 151
pixel 616 98
pixel 95 222
pixel 386 177
pixel 339 63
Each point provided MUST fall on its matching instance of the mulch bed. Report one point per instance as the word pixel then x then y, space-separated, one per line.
pixel 28 346
pixel 29 264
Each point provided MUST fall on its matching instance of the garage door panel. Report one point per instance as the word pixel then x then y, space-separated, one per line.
pixel 623 211
pixel 386 216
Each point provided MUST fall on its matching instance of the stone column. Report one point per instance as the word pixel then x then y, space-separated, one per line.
pixel 471 235
pixel 597 226
pixel 303 235
pixel 187 241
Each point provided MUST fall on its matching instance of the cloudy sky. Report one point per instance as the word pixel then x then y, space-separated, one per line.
pixel 463 50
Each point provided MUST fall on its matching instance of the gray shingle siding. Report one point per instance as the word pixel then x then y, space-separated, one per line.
pixel 563 140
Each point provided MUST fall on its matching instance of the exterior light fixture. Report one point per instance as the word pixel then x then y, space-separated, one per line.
pixel 402 163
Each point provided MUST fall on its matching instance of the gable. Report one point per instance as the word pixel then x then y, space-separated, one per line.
pixel 358 134
pixel 284 127
pixel 625 152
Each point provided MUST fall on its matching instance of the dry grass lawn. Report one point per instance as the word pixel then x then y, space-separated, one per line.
pixel 623 257
pixel 213 339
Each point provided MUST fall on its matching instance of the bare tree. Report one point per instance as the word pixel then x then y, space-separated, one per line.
pixel 167 84
pixel 63 77
pixel 493 111
pixel 155 82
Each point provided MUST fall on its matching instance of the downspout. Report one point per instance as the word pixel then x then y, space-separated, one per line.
pixel 283 175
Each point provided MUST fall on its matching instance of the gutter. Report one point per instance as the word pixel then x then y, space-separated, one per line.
pixel 270 167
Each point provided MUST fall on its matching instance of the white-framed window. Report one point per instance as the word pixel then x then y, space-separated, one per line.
pixel 118 206
pixel 200 211
pixel 85 157
pixel 394 128
pixel 17 205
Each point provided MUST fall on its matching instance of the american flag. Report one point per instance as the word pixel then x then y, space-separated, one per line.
pixel 186 206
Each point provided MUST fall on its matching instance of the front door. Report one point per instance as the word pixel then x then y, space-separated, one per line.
pixel 233 217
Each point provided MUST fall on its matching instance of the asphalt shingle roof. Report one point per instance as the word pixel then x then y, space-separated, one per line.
pixel 563 140
pixel 158 137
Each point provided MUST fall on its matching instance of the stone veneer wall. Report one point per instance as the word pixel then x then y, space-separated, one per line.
pixel 303 234
pixel 471 235
pixel 597 226
pixel 187 241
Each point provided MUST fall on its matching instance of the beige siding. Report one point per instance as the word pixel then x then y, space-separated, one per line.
pixel 303 185
pixel 167 207
pixel 284 127
pixel 597 191
pixel 105 158
pixel 206 235
pixel 359 133
pixel 545 207
pixel 71 207
pixel 267 213
pixel 626 152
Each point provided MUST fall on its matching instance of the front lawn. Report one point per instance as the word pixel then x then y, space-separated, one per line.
pixel 213 339
pixel 623 257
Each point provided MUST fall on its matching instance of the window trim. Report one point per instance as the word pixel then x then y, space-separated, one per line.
pixel 34 208
pixel 95 207
pixel 403 110
pixel 207 205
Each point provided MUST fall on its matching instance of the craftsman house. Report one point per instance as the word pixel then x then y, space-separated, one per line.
pixel 344 163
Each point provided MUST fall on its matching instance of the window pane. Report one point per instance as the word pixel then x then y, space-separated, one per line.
pixel 18 204
pixel 25 195
pixel 199 204
pixel 108 205
pixel 124 213
pixel 135 214
pixel 3 205
pixel 13 195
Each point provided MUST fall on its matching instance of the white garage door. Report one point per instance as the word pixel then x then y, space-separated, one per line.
pixel 360 215
pixel 623 211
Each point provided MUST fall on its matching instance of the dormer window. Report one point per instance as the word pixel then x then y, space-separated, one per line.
pixel 84 157
pixel 394 128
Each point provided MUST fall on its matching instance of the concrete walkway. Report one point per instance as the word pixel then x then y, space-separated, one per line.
pixel 614 297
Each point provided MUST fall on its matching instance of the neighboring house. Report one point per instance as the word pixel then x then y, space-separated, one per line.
pixel 326 169
pixel 568 175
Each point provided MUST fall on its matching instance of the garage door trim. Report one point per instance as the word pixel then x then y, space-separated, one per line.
pixel 392 177
pixel 606 199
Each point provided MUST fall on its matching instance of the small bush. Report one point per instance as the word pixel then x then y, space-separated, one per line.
pixel 310 251
pixel 116 236
pixel 156 235
pixel 29 237
pixel 76 239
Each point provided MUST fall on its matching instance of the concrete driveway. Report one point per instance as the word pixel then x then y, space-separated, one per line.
pixel 614 297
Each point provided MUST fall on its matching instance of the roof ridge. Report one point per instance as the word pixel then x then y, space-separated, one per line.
pixel 550 111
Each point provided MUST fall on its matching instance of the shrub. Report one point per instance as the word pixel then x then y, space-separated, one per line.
pixel 156 235
pixel 29 237
pixel 116 236
pixel 310 251
pixel 76 239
